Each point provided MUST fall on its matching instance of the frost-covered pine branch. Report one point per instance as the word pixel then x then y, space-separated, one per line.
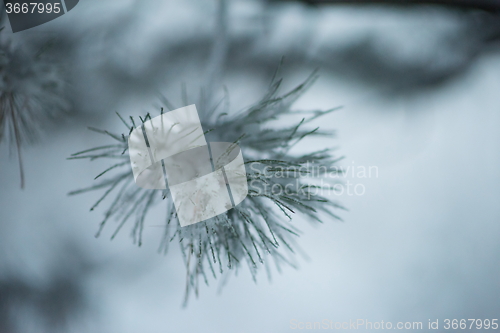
pixel 258 230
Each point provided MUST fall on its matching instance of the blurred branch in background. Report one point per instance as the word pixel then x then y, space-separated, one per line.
pixel 54 301
pixel 487 5
pixel 401 49
pixel 32 93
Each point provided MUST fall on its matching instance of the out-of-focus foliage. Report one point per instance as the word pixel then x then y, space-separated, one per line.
pixel 31 94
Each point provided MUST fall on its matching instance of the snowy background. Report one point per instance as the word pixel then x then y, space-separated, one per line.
pixel 419 88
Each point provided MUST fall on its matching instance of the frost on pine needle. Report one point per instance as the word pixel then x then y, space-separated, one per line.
pixel 259 229
pixel 31 95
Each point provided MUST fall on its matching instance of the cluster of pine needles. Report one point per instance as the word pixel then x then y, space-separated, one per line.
pixel 259 230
